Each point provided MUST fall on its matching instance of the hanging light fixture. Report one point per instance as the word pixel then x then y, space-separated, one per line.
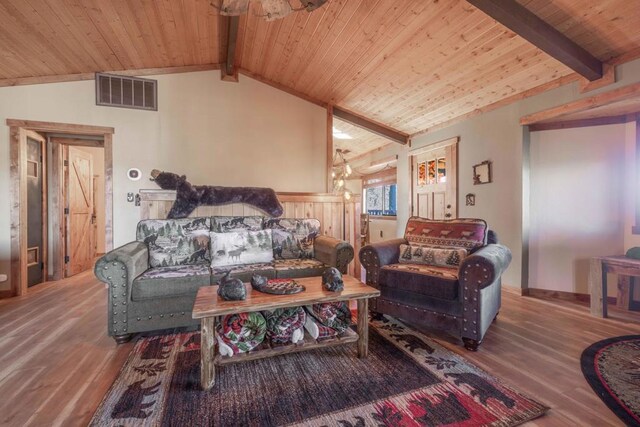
pixel 271 9
pixel 341 171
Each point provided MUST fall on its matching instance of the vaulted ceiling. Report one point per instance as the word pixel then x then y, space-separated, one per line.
pixel 409 64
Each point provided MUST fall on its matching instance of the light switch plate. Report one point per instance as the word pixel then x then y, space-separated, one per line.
pixel 3 277
pixel 129 197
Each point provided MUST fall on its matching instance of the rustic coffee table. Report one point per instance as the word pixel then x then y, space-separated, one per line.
pixel 209 306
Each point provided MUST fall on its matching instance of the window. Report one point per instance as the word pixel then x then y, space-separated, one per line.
pixel 381 200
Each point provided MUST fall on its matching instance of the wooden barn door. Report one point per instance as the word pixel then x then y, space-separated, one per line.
pixel 434 173
pixel 79 212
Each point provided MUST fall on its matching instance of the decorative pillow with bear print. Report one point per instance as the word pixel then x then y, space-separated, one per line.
pixel 174 242
pixel 443 257
pixel 293 238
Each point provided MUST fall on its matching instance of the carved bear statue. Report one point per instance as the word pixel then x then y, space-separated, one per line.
pixel 231 289
pixel 332 280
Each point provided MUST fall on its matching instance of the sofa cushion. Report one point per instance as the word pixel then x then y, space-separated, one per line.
pixel 243 271
pixel 420 279
pixel 293 238
pixel 176 241
pixel 467 233
pixel 241 247
pixel 224 224
pixel 428 255
pixel 293 268
pixel 171 281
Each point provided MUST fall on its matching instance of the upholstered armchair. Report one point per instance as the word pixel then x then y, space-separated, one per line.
pixel 444 274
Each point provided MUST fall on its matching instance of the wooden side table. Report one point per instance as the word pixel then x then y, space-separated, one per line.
pixel 599 267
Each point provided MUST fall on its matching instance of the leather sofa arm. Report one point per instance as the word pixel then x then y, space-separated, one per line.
pixel 485 266
pixel 133 258
pixel 118 268
pixel 333 252
pixel 377 255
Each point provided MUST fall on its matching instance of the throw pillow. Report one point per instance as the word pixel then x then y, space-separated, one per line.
pixel 223 224
pixel 241 247
pixel 174 242
pixel 293 238
pixel 443 257
pixel 467 233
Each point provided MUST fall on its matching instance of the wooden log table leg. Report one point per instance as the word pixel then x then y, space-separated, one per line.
pixel 363 328
pixel 207 353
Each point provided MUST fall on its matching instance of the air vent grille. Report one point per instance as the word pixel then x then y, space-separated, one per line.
pixel 127 92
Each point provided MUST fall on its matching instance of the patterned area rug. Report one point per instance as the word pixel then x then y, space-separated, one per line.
pixel 612 369
pixel 407 380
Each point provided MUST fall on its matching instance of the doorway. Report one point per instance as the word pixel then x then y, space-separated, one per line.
pixel 80 185
pixel 434 180
pixel 73 184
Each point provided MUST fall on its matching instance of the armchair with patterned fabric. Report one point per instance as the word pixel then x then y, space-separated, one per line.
pixel 444 274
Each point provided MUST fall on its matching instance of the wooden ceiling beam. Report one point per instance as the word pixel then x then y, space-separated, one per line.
pixel 229 69
pixel 371 126
pixel 542 35
pixel 579 123
pixel 620 94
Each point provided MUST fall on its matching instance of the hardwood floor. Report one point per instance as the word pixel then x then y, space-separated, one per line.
pixel 56 362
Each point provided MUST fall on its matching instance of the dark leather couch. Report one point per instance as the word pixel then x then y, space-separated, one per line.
pixel 462 295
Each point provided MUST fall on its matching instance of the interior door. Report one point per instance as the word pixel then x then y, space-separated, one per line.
pixel 79 211
pixel 434 183
pixel 36 209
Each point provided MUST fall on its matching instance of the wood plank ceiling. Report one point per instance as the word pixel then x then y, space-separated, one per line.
pixel 409 64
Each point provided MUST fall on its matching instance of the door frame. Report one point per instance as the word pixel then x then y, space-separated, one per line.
pixel 453 178
pixel 18 185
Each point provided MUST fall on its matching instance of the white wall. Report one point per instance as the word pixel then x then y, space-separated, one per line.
pixel 632 186
pixel 382 229
pixel 235 134
pixel 577 204
pixel 497 136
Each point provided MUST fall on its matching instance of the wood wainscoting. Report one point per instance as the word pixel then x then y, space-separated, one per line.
pixel 338 218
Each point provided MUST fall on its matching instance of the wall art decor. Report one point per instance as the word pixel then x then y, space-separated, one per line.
pixel 482 173
pixel 470 199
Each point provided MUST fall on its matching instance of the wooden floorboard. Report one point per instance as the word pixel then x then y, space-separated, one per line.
pixel 56 361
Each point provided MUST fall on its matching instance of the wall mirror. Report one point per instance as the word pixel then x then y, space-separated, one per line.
pixel 482 173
